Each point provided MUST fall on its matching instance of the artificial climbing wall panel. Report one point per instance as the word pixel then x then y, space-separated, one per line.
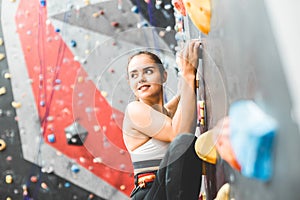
pixel 241 60
pixel 67 63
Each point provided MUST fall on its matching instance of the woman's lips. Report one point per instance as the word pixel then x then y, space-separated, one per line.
pixel 143 87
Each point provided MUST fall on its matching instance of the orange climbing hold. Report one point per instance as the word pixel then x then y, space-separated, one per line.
pixel 200 13
pixel 226 152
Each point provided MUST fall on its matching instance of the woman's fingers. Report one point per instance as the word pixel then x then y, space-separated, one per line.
pixel 187 58
pixel 194 47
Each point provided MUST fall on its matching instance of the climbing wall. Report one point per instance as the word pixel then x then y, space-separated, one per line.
pixel 67 63
pixel 248 54
pixel 64 90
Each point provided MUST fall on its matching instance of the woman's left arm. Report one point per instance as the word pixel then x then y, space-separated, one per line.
pixel 172 105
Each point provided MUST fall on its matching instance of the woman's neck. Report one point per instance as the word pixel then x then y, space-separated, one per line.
pixel 157 104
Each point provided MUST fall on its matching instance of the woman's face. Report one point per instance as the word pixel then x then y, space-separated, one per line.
pixel 144 77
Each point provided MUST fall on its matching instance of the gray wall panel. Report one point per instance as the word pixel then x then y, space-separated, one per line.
pixel 241 61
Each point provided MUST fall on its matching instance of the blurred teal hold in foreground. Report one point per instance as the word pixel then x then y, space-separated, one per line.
pixel 252 139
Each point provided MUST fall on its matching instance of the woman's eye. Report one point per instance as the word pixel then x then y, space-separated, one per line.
pixel 133 75
pixel 149 71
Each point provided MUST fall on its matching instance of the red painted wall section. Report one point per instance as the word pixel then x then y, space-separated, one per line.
pixel 63 93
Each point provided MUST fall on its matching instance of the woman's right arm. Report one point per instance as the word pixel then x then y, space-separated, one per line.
pixel 185 115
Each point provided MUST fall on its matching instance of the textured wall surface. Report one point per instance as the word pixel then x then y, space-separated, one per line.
pixel 241 60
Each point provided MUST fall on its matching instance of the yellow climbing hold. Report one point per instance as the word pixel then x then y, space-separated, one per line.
pixel 80 79
pixel 16 104
pixel 205 147
pixel 104 94
pixel 96 14
pixel 200 13
pixel 1 41
pixel 2 145
pixel 44 186
pixel 223 193
pixel 122 187
pixel 7 75
pixel 8 179
pixel 2 56
pixel 2 90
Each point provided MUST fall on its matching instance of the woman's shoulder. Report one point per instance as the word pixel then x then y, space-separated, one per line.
pixel 137 107
pixel 133 110
pixel 136 104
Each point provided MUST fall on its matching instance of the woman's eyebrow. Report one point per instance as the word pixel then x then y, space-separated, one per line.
pixel 144 68
pixel 149 67
pixel 133 71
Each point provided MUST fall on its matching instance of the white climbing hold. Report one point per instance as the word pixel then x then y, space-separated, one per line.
pixel 2 90
pixel 2 56
pixel 7 75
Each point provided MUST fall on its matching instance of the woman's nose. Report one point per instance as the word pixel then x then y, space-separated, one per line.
pixel 142 78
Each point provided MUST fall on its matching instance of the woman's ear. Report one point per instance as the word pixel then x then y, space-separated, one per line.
pixel 164 78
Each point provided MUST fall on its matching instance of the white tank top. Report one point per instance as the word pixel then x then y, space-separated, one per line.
pixel 147 157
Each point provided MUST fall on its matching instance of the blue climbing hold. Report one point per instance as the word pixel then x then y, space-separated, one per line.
pixel 67 184
pixel 73 43
pixel 57 81
pixel 51 138
pixel 75 168
pixel 43 3
pixel 42 103
pixel 135 9
pixel 252 136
